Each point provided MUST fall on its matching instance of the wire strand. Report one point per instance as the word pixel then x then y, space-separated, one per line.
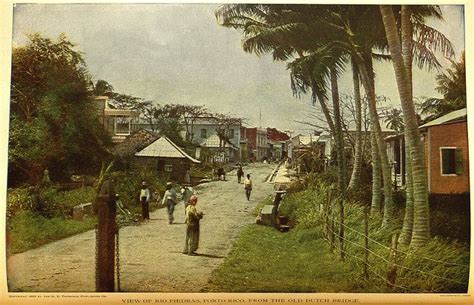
pixel 401 251
pixel 401 266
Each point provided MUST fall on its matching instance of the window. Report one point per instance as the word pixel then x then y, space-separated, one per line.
pixel 203 133
pixel 122 125
pixel 230 133
pixel 168 168
pixel 451 161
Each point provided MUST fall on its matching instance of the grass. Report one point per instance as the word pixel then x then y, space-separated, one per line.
pixel 265 260
pixel 29 231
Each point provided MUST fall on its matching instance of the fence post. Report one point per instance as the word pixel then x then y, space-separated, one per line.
pixel 327 210
pixel 366 241
pixel 106 228
pixel 340 201
pixel 392 268
pixel 333 235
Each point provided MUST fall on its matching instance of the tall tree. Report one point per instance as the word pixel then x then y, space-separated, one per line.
pixel 53 121
pixel 452 85
pixel 420 191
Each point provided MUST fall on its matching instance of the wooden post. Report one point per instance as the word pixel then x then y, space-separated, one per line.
pixel 106 227
pixel 392 268
pixel 341 227
pixel 366 241
pixel 326 217
pixel 332 238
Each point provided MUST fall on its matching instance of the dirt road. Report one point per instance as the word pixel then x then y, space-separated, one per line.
pixel 150 254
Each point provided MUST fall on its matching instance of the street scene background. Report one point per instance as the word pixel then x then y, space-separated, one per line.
pixel 238 148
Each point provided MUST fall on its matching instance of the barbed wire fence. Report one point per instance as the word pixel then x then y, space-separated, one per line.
pixel 389 269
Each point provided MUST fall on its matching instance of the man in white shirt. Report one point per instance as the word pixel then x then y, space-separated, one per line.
pixel 145 199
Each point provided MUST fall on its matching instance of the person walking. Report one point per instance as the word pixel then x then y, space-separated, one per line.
pixel 170 200
pixel 145 200
pixel 192 227
pixel 186 193
pixel 248 186
pixel 240 173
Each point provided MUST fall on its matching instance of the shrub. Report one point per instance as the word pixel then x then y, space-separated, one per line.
pixel 27 230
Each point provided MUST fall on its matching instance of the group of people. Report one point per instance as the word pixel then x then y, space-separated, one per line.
pixel 192 215
pixel 170 199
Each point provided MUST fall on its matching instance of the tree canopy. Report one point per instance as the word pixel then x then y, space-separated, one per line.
pixel 53 123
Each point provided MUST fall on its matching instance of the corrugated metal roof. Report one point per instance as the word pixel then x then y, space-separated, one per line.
pixel 164 148
pixel 121 112
pixel 452 116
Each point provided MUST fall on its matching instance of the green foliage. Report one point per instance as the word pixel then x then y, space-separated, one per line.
pixel 265 260
pixel 47 202
pixel 127 185
pixel 53 122
pixel 30 231
pixel 304 208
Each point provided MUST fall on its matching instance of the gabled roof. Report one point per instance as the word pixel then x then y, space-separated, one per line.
pixel 453 116
pixel 213 141
pixel 164 148
pixel 135 142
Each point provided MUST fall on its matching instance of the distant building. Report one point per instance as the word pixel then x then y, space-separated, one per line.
pixel 445 147
pixel 120 123
pixel 214 148
pixel 277 144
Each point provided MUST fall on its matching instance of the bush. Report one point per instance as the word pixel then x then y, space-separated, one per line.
pixel 27 230
pixel 420 270
pixel 47 202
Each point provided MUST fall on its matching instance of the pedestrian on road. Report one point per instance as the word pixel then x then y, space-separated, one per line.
pixel 186 193
pixel 248 186
pixel 240 173
pixel 170 200
pixel 145 199
pixel 187 177
pixel 192 227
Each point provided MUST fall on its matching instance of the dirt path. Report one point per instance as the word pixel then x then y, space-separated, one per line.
pixel 151 258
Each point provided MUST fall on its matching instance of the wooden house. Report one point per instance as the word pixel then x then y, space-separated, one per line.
pixel 165 157
pixel 445 146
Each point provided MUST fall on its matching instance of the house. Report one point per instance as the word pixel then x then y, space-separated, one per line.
pixel 135 142
pixel 120 123
pixel 244 144
pixel 165 157
pixel 257 143
pixel 310 152
pixel 445 146
pixel 277 144
pixel 215 148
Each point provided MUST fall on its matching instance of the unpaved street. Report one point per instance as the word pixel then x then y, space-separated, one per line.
pixel 150 254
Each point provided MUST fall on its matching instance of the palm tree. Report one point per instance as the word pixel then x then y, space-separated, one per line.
pixel 281 30
pixel 102 87
pixel 452 85
pixel 356 169
pixel 401 53
pixel 394 120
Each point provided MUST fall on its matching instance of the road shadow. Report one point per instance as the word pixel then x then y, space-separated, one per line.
pixel 209 255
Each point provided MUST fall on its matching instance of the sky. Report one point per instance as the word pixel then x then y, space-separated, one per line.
pixel 178 53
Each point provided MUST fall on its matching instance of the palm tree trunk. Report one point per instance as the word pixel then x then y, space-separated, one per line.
pixel 338 134
pixel 407 228
pixel 356 169
pixel 375 206
pixel 366 72
pixel 421 227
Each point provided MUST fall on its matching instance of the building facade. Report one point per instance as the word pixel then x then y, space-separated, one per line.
pixel 120 123
pixel 446 157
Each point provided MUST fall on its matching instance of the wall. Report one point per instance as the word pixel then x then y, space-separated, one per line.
pixel 447 135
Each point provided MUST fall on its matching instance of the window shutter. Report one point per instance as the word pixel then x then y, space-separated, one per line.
pixel 459 161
